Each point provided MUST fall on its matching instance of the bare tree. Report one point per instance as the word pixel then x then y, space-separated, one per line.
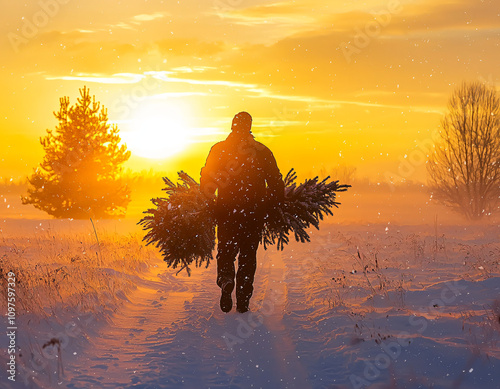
pixel 464 167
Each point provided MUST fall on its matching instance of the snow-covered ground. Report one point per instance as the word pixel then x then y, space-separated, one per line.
pixel 378 306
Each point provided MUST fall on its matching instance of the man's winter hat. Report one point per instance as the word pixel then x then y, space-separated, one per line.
pixel 242 122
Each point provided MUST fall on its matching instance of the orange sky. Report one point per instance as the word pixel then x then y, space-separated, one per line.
pixel 361 83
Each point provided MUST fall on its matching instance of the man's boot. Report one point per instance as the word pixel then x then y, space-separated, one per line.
pixel 226 303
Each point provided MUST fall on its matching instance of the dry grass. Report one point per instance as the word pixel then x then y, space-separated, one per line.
pixel 54 270
pixel 388 262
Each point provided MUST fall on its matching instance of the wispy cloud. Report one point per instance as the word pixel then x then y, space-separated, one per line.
pixel 118 78
pixel 189 47
pixel 302 21
pixel 137 20
pixel 170 95
pixel 149 17
pixel 165 76
pixel 192 69
pixel 253 91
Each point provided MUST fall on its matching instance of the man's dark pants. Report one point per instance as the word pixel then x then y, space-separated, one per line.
pixel 238 233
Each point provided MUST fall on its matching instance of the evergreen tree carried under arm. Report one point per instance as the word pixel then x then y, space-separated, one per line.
pixel 79 176
pixel 182 225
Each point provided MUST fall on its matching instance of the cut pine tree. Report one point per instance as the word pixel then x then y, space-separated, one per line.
pixel 182 225
pixel 305 205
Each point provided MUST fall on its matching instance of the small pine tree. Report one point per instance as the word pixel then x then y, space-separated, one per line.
pixel 80 175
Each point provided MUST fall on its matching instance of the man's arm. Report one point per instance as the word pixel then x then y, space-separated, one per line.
pixel 274 180
pixel 208 184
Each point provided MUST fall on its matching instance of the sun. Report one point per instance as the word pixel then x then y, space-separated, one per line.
pixel 157 130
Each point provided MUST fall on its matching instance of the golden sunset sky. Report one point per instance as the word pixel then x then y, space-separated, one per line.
pixel 328 83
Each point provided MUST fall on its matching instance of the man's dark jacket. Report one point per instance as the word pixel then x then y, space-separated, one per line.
pixel 239 168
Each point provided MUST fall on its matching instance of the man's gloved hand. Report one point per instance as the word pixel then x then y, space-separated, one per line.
pixel 274 210
pixel 276 206
pixel 211 201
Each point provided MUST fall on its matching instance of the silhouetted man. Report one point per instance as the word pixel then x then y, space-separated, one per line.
pixel 249 184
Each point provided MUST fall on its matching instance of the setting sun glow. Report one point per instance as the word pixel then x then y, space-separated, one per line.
pixel 156 131
pixel 361 84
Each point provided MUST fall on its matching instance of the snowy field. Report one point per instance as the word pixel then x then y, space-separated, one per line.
pixel 361 306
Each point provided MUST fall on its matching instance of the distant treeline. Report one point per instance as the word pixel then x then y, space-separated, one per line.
pixel 151 180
